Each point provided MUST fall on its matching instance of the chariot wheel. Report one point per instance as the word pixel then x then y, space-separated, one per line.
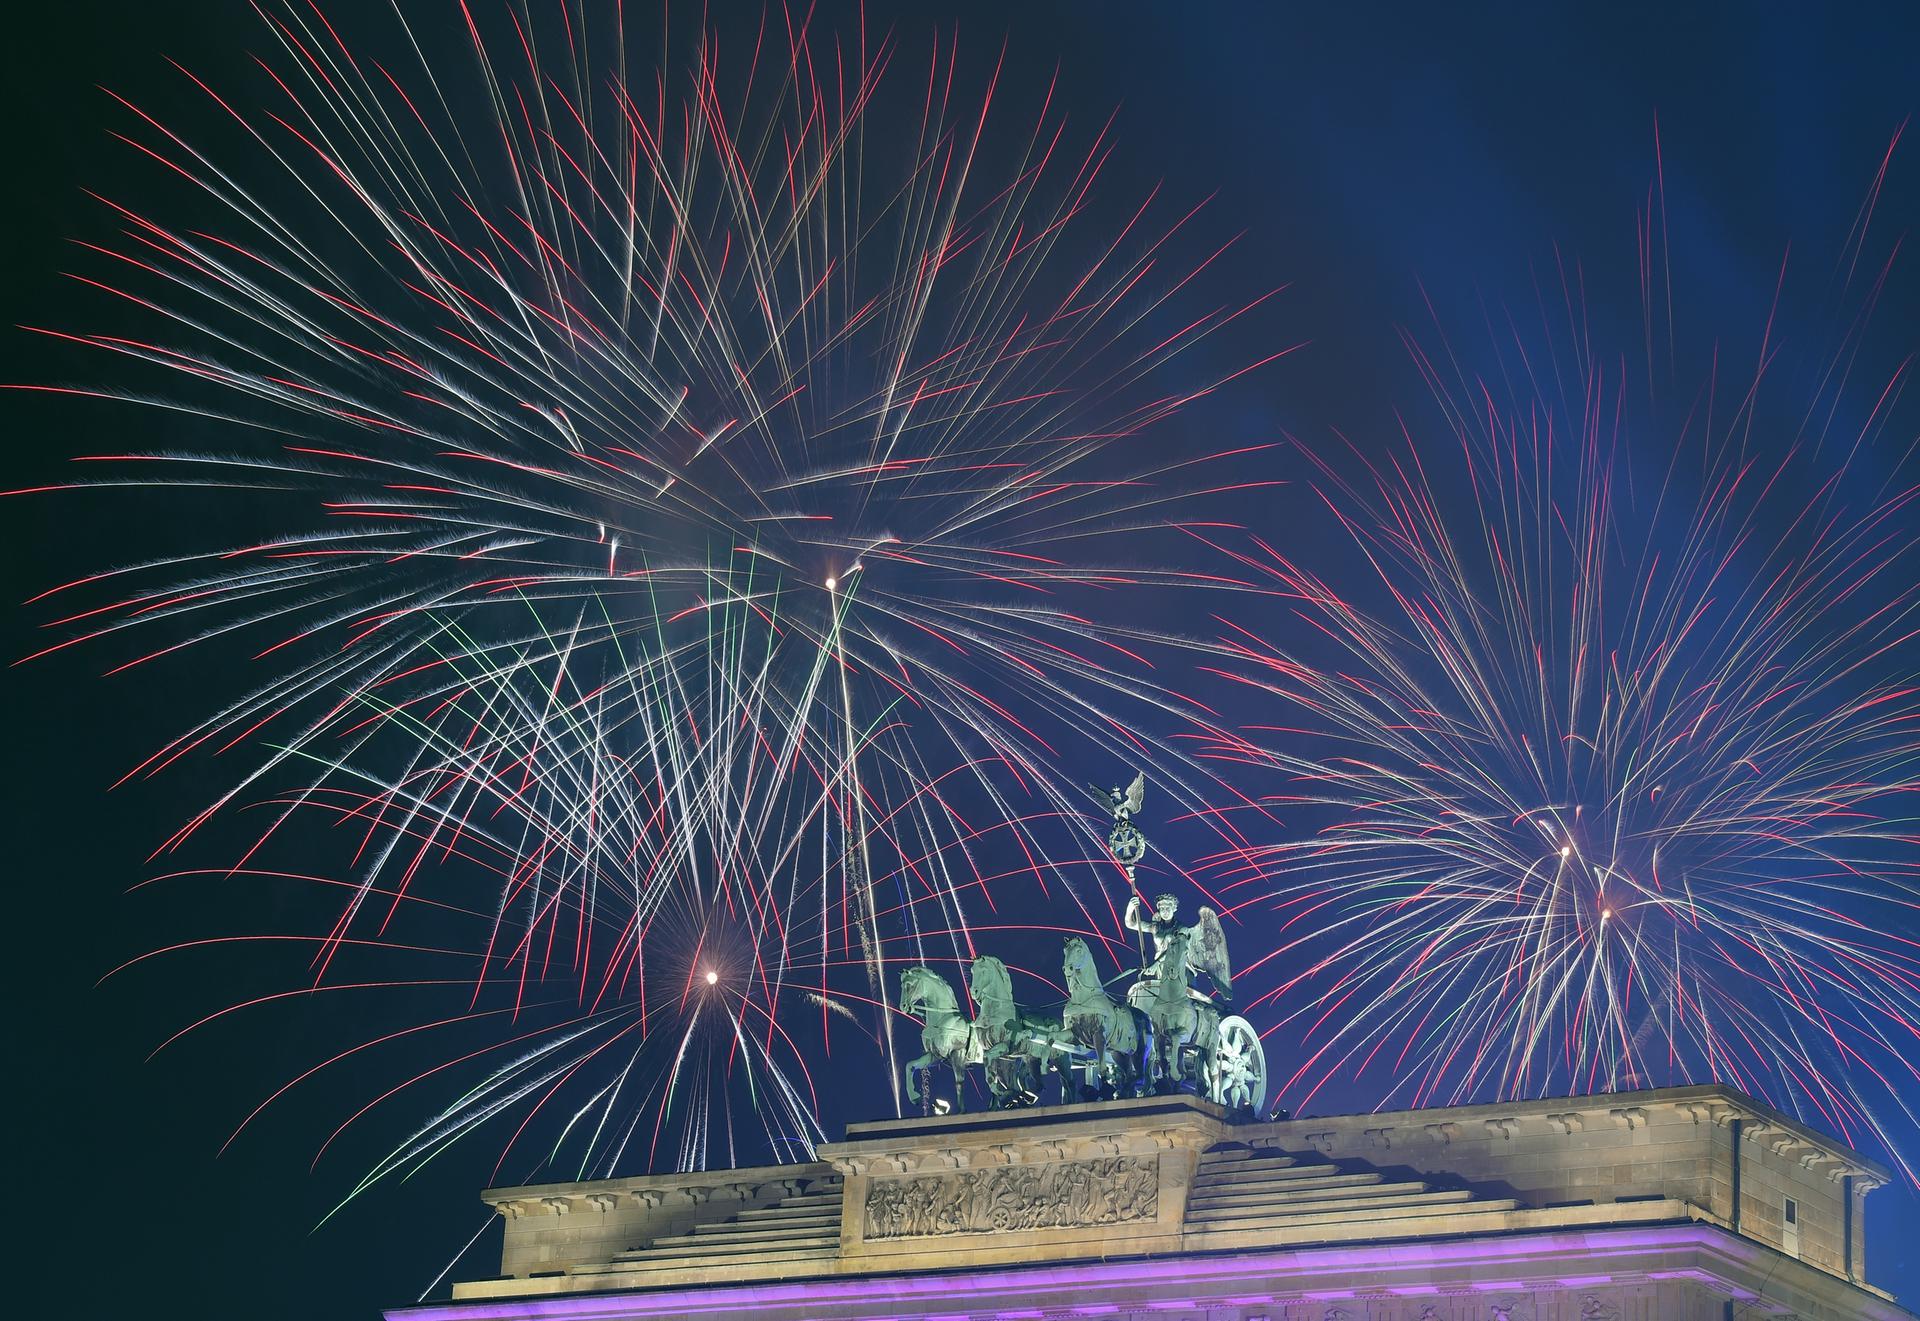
pixel 1239 1067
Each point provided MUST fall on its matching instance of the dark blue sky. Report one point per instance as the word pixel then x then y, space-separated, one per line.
pixel 1366 150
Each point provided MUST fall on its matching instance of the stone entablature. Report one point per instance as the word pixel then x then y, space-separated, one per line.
pixel 555 1226
pixel 1674 1142
pixel 1576 1188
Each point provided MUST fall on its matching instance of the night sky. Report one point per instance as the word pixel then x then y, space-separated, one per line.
pixel 1370 153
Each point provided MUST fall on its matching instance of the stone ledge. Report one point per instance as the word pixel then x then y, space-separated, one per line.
pixel 1519 1261
pixel 930 1130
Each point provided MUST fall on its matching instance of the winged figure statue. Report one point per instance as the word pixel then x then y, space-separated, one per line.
pixel 1207 952
pixel 1201 947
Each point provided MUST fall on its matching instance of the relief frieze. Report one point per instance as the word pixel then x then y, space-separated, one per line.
pixel 1009 1198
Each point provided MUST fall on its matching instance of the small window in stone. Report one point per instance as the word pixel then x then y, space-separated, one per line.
pixel 1793 1212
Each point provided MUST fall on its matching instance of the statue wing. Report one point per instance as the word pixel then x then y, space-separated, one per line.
pixel 1137 791
pixel 1208 952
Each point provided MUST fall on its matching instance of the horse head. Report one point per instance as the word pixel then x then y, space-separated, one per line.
pixel 992 989
pixel 1077 965
pixel 923 986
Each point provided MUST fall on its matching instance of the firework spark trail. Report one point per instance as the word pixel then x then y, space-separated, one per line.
pixel 1622 769
pixel 721 477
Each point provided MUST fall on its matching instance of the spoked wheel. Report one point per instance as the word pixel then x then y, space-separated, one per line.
pixel 1239 1067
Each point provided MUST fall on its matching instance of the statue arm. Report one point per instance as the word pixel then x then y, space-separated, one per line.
pixel 1135 920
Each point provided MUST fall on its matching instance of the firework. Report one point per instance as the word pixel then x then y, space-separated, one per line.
pixel 697 504
pixel 1617 724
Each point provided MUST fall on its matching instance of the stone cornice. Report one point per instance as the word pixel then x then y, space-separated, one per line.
pixel 651 1191
pixel 1598 1257
pixel 1704 1104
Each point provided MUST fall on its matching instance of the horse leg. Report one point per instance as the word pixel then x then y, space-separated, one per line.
pixel 1180 1059
pixel 1196 1053
pixel 912 1074
pixel 1171 1074
pixel 912 1071
pixel 1126 1054
pixel 1136 1056
pixel 1095 1085
pixel 1042 1063
pixel 994 1066
pixel 1018 1064
pixel 957 1064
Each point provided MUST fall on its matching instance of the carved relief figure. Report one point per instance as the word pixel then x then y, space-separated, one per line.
pixel 1012 1198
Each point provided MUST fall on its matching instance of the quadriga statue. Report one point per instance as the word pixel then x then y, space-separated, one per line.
pixel 1167 1035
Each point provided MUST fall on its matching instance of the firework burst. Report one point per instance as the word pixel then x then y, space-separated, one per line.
pixel 696 503
pixel 1618 719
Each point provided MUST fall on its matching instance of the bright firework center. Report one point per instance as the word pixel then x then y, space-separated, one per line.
pixel 1678 1204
